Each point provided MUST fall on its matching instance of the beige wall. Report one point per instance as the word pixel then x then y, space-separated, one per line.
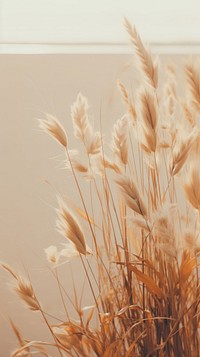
pixel 29 86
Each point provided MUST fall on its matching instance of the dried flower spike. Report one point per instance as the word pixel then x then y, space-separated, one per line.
pixel 53 127
pixel 192 187
pixel 131 195
pixel 120 140
pixel 69 227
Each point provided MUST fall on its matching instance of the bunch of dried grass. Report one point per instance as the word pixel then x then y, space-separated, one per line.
pixel 145 287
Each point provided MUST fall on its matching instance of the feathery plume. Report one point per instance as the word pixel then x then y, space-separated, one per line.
pixel 69 227
pixel 108 164
pixel 181 151
pixel 82 127
pixel 79 113
pixel 148 67
pixel 53 127
pixel 189 116
pixel 164 231
pixel 149 120
pixel 192 186
pixel 23 289
pixel 128 101
pixel 120 140
pixel 79 167
pixel 131 195
pixel 192 240
pixel 193 79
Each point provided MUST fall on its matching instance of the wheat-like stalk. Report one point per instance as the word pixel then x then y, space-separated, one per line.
pixel 82 127
pixel 69 227
pixel 120 140
pixel 149 120
pixel 143 218
pixel 148 66
pixel 131 195
pixel 192 187
pixel 128 101
pixel 180 152
pixel 193 79
pixel 24 289
pixel 52 126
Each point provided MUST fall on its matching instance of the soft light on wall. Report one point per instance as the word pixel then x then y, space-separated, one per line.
pixel 71 26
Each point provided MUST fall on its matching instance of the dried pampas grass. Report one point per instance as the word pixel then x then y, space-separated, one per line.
pixel 53 127
pixel 69 227
pixel 148 66
pixel 82 127
pixel 142 215
pixel 131 195
pixel 192 186
pixel 193 79
pixel 120 140
pixel 23 289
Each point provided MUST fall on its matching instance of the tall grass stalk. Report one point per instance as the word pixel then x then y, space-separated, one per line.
pixel 142 244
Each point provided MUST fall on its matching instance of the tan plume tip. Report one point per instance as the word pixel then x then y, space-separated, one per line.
pixel 9 270
pixel 95 145
pixel 181 151
pixel 192 187
pixel 69 227
pixel 124 92
pixel 120 140
pixel 79 109
pixel 149 119
pixel 53 127
pixel 131 195
pixel 188 113
pixel 148 67
pixel 108 164
pixel 79 166
pixel 128 101
pixel 193 79
pixel 82 127
pixel 26 293
pixel 23 289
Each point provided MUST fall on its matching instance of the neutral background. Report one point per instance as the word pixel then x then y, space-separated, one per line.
pixel 74 26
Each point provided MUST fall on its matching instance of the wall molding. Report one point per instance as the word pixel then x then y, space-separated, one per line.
pixel 176 48
pixel 89 26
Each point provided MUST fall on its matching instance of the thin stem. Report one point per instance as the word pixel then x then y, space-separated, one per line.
pixel 61 294
pixel 50 329
pixel 89 281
